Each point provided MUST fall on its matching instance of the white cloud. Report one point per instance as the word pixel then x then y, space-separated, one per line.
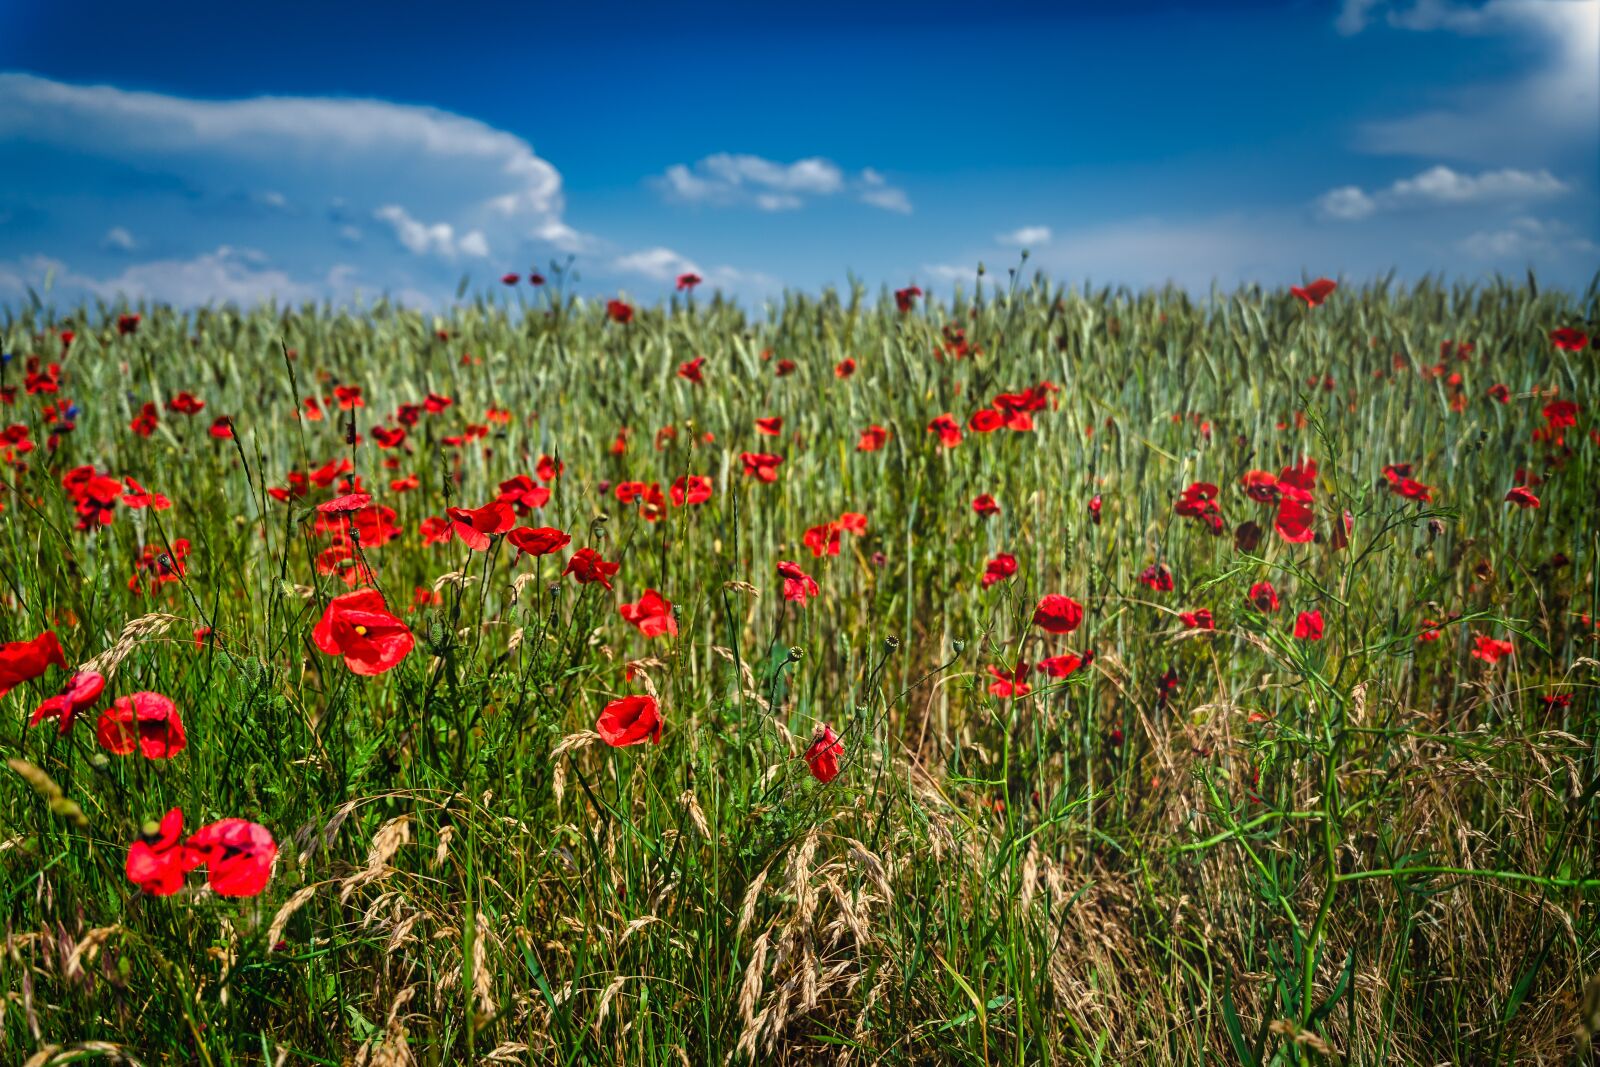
pixel 118 239
pixel 366 152
pixel 659 264
pixel 1353 16
pixel 1551 112
pixel 727 178
pixel 1027 236
pixel 224 275
pixel 437 239
pixel 351 234
pixel 1440 186
pixel 1527 238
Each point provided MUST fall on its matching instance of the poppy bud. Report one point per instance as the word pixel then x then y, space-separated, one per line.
pixel 959 646
pixel 1435 529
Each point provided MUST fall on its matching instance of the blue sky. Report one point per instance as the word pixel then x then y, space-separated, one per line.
pixel 216 152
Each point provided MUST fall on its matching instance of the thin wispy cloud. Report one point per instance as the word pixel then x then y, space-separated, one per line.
pixel 728 179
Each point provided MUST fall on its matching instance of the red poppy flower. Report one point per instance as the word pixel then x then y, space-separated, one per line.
pixel 535 279
pixel 1569 339
pixel 985 505
pixel 1157 577
pixel 617 311
pixel 1308 626
pixel 387 438
pixel 435 531
pixel 523 494
pixel 1316 292
pixel 476 525
pixel 23 661
pixel 652 615
pixel 237 854
pixel 797 584
pixel 1199 501
pixel 905 299
pixel 146 721
pixel 144 424
pixel 222 428
pixel 761 465
pixel 1523 497
pixel 1057 614
pixel 1198 620
pixel 341 504
pixel 853 522
pixel 1264 597
pixel 772 425
pixel 510 279
pixel 1066 664
pixel 1491 650
pixel 688 280
pixel 1430 630
pixel 434 403
pixel 127 324
pixel 1499 392
pixel 1007 685
pixel 538 541
pixel 691 489
pixel 630 720
pixel 986 420
pixel 1260 485
pixel 81 690
pixel 823 540
pixel 359 627
pixel 157 860
pixel 548 469
pixel 872 439
pixel 948 429
pixel 784 368
pixel 1561 413
pixel 586 566
pixel 185 403
pixel 824 753
pixel 349 397
pixel 844 368
pixel 1095 506
pixel 1003 566
pixel 690 371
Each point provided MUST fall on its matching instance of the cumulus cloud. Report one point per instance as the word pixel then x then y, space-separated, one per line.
pixel 223 275
pixel 658 264
pixel 727 178
pixel 369 153
pixel 1441 186
pixel 1026 237
pixel 437 239
pixel 1551 112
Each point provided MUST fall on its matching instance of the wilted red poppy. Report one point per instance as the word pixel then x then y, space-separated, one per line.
pixel 948 429
pixel 797 584
pixel 630 720
pixel 1308 626
pixel 1157 577
pixel 690 370
pixel 586 566
pixel 1057 614
pixel 824 753
pixel 1523 497
pixel 761 465
pixel 23 661
pixel 1003 566
pixel 617 311
pixel 81 690
pixel 1491 650
pixel 688 280
pixel 1569 339
pixel 691 489
pixel 652 614
pixel 359 627
pixel 237 854
pixel 146 721
pixel 157 860
pixel 1066 664
pixel 1198 620
pixel 476 525
pixel 1316 292
pixel 538 541
pixel 772 425
pixel 872 439
pixel 985 505
pixel 1264 597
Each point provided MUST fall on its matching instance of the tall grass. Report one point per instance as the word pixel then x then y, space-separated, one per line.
pixel 1368 849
